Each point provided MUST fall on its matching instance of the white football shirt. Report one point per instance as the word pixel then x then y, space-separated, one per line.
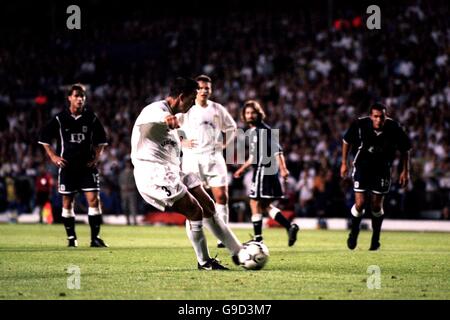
pixel 152 140
pixel 205 125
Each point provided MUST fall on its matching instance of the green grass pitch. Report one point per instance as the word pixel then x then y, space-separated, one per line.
pixel 158 263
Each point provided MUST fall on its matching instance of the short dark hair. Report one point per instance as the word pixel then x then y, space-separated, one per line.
pixel 182 85
pixel 76 87
pixel 204 78
pixel 256 106
pixel 377 106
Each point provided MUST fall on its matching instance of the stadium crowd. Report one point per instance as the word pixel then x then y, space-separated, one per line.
pixel 312 77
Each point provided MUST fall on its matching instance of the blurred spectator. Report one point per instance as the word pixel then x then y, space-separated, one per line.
pixel 305 186
pixel 128 193
pixel 110 201
pixel 43 185
pixel 11 198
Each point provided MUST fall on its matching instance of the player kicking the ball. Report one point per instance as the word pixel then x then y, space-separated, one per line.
pixel 155 153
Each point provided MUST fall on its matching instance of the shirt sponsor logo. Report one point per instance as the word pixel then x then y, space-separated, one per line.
pixel 77 137
pixel 169 142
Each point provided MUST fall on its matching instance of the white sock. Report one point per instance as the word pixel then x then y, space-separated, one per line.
pixel 257 220
pixel 68 213
pixel 257 217
pixel 273 211
pixel 378 214
pixel 222 232
pixel 194 230
pixel 356 213
pixel 222 212
pixel 94 211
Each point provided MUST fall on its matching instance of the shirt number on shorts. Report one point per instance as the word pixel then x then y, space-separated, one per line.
pixel 167 191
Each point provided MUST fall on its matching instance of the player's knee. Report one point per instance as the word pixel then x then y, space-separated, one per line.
pixel 222 198
pixel 209 209
pixel 68 203
pixel 359 205
pixel 265 204
pixel 377 213
pixel 93 202
pixel 376 207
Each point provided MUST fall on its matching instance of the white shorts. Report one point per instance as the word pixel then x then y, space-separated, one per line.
pixel 211 169
pixel 162 185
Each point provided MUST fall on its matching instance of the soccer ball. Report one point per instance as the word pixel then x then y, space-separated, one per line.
pixel 253 256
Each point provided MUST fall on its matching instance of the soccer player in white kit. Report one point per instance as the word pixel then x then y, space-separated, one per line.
pixel 155 153
pixel 202 129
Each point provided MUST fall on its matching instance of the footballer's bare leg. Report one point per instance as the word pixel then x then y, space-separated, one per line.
pixel 376 202
pixel 360 200
pixel 189 207
pixel 220 195
pixel 212 221
pixel 68 216
pixel 92 199
pixel 68 201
